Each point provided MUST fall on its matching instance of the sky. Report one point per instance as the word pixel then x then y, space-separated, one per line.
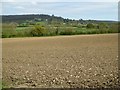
pixel 60 0
pixel 74 9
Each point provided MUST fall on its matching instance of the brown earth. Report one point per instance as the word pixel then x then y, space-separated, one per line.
pixel 61 61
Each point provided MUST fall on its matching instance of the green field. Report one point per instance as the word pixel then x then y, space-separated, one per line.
pixel 53 26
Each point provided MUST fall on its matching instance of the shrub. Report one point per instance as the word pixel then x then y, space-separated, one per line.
pixel 8 30
pixel 113 28
pixel 68 31
pixel 90 25
pixel 39 31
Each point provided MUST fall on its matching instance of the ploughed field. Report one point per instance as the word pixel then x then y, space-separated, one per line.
pixel 61 61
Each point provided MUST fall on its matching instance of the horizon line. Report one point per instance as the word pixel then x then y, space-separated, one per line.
pixel 58 16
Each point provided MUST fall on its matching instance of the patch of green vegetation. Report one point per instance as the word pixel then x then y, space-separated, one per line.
pixel 3 85
pixel 8 30
pixel 55 26
pixel 21 28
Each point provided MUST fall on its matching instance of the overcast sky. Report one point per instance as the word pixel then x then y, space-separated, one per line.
pixel 60 0
pixel 107 10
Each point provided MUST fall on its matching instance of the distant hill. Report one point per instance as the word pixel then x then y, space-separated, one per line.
pixel 22 18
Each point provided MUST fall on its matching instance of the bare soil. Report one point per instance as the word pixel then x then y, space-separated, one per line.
pixel 61 62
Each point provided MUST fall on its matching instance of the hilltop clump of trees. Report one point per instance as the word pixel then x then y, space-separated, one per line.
pixel 46 25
